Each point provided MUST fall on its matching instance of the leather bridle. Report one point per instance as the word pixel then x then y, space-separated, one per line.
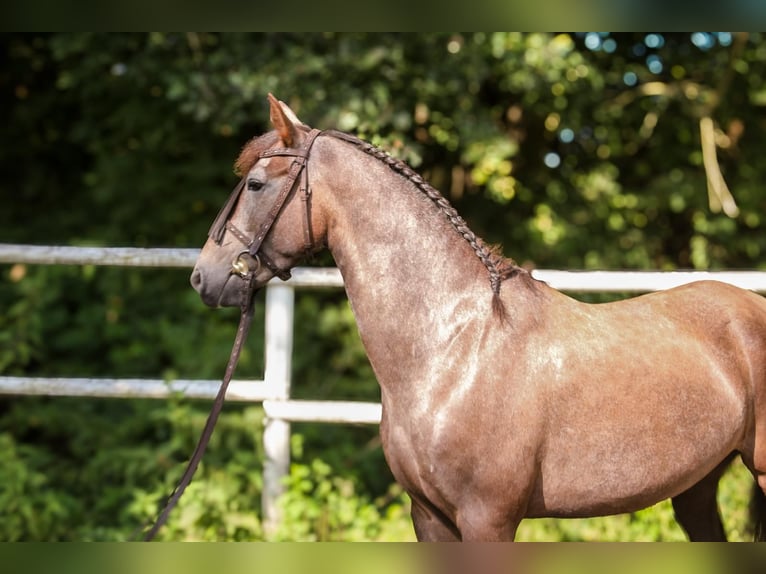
pixel 240 267
pixel 253 245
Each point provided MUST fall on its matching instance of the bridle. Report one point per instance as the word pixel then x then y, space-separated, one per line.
pixel 223 223
pixel 240 267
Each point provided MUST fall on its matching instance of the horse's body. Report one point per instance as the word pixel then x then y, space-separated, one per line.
pixel 507 399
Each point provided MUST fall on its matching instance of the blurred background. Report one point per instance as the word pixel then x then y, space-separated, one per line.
pixel 574 151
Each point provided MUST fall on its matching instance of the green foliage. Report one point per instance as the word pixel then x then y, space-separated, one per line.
pixel 573 150
pixel 71 473
pixel 31 510
pixel 318 505
pixel 321 507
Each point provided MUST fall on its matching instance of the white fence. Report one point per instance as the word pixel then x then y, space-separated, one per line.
pixel 274 390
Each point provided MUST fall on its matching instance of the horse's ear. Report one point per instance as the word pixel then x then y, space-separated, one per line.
pixel 284 121
pixel 291 115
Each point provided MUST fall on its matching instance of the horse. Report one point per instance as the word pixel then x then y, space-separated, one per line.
pixel 502 398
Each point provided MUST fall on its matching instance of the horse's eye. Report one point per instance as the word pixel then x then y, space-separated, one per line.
pixel 254 185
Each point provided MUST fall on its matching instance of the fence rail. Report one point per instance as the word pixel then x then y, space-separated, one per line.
pixel 580 281
pixel 274 390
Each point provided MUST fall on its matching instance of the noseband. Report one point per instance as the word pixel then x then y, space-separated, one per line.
pixel 223 223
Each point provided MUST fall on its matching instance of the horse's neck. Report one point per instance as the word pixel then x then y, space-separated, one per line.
pixel 411 278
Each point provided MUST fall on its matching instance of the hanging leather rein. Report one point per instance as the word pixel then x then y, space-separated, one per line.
pixel 240 267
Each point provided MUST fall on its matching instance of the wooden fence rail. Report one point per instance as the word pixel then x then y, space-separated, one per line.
pixel 274 390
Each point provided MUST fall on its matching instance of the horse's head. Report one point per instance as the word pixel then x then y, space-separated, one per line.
pixel 267 225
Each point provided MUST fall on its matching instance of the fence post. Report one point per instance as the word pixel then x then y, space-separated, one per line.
pixel 280 300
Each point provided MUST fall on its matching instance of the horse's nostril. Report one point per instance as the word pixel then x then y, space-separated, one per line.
pixel 196 279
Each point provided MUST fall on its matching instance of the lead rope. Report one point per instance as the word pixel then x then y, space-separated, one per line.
pixel 245 320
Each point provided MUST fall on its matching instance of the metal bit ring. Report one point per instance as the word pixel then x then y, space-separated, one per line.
pixel 240 266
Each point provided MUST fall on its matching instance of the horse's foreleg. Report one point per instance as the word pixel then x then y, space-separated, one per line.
pixel 487 523
pixel 696 509
pixel 758 513
pixel 430 525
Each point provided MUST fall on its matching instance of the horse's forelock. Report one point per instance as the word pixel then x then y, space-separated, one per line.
pixel 252 150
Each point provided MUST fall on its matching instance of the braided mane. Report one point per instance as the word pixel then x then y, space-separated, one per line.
pixel 498 266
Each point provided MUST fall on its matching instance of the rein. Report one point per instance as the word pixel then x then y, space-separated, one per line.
pixel 244 327
pixel 221 224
